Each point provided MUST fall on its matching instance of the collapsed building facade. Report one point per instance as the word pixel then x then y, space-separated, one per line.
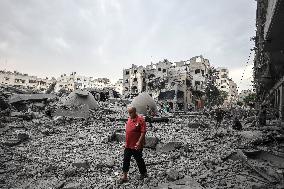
pixel 74 81
pixel 269 54
pixel 18 79
pixel 226 84
pixel 177 83
pixel 167 81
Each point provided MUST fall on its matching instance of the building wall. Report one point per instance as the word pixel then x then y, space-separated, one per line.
pixel 199 67
pixel 23 80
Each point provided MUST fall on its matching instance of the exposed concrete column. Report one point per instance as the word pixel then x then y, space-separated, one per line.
pixel 282 102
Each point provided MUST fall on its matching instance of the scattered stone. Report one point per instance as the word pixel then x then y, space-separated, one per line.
pixel 72 186
pixel 81 164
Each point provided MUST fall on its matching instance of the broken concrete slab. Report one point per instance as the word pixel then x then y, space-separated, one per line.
pixel 267 157
pixel 72 186
pixel 30 97
pixel 74 112
pixel 11 142
pixel 23 136
pixel 81 164
pixel 170 146
pixel 185 183
pixel 151 142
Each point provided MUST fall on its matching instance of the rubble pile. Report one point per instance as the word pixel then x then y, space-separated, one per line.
pixel 42 147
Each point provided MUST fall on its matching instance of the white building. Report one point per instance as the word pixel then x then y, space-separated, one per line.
pixel 24 80
pixel 119 86
pixel 199 68
pixel 74 81
pixel 224 83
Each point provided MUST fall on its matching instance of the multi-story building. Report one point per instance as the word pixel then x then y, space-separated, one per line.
pixel 269 56
pixel 134 80
pixel 119 86
pixel 226 84
pixel 199 68
pixel 164 76
pixel 24 80
pixel 74 81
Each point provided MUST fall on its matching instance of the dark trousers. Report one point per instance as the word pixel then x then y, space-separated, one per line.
pixel 137 154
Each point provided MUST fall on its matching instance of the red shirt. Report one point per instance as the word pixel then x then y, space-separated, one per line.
pixel 134 128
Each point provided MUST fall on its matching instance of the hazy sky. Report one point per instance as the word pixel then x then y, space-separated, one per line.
pixel 101 37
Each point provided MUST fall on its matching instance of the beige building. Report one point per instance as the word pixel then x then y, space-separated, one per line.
pixel 24 80
pixel 199 67
pixel 74 81
pixel 224 83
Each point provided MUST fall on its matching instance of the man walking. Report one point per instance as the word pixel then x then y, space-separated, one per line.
pixel 134 143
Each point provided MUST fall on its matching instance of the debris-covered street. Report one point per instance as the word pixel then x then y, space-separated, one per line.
pixel 109 94
pixel 185 150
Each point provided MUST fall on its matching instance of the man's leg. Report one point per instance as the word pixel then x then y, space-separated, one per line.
pixel 138 156
pixel 126 162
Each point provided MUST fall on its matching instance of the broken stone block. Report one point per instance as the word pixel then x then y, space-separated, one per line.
pixel 81 164
pixel 172 175
pixel 11 142
pixel 23 136
pixel 70 171
pixel 151 142
pixel 30 97
pixel 74 112
pixel 169 147
pixel 72 186
pixel 110 163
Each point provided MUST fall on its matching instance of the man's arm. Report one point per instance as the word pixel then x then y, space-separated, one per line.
pixel 141 140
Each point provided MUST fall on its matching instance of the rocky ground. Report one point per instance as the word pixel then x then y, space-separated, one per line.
pixel 38 151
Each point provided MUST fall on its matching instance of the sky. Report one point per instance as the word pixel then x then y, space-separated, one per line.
pixel 100 38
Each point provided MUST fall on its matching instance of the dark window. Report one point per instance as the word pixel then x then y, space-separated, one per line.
pixel 135 71
pixel 164 70
pixel 135 79
pixel 197 82
pixel 159 69
pixel 197 71
pixel 126 81
pixel 127 72
pixel 143 79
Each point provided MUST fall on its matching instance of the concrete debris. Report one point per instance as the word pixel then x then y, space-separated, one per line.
pixel 30 97
pixel 45 144
pixel 81 111
pixel 150 142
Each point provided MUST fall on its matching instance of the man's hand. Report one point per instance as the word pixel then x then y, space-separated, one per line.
pixel 138 146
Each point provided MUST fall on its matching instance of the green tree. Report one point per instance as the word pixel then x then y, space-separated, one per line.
pixel 213 95
pixel 250 99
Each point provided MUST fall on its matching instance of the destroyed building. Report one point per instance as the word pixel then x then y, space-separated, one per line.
pixel 18 79
pixel 74 81
pixel 165 78
pixel 224 83
pixel 269 56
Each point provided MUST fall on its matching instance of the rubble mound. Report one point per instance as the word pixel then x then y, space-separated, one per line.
pixel 79 97
pixel 141 101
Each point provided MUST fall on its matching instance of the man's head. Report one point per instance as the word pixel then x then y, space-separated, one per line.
pixel 132 112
